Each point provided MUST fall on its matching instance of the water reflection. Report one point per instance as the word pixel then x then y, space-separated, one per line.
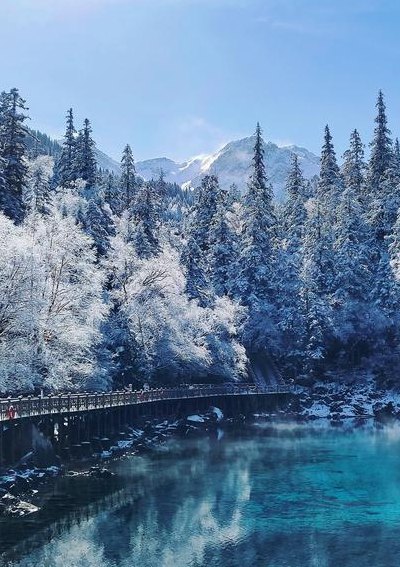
pixel 277 495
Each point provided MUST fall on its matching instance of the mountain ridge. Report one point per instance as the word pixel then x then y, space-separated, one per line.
pixel 231 164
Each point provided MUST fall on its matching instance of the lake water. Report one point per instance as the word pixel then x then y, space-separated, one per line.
pixel 270 495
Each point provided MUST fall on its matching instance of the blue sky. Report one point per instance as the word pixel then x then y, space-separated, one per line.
pixel 181 77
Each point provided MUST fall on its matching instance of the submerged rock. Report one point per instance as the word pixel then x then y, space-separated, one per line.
pixel 100 472
pixel 12 506
pixel 195 419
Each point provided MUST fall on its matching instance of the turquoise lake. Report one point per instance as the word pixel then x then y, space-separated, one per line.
pixel 273 495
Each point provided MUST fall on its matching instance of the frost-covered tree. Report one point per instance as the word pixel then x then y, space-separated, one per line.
pixel 13 152
pixel 52 305
pixel 163 334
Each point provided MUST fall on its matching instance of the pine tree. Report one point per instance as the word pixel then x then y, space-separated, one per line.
pixel 197 285
pixel 66 172
pixel 330 184
pixel 40 199
pixel 316 283
pixel 234 194
pixel 352 278
pixel 290 320
pixel 98 224
pixel 381 148
pixel 351 236
pixel 259 225
pixel 2 175
pixel 396 161
pixel 109 190
pixel 354 167
pixel 223 249
pixel 13 152
pixel 128 177
pixel 146 219
pixel 196 254
pixel 85 157
pixel 161 189
pixel 205 210
pixel 394 248
pixel 294 212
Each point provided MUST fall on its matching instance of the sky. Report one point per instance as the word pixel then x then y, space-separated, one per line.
pixel 179 78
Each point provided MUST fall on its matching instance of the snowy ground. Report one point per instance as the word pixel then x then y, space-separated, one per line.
pixel 336 402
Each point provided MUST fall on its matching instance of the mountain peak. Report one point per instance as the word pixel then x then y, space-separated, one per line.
pixel 231 163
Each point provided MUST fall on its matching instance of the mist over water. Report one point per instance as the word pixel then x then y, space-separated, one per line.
pixel 270 495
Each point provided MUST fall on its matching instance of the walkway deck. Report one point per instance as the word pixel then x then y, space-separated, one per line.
pixel 31 406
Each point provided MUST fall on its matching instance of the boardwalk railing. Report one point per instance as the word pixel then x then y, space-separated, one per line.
pixel 30 406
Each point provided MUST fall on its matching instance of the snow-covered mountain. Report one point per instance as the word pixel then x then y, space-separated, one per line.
pixel 232 165
pixel 106 162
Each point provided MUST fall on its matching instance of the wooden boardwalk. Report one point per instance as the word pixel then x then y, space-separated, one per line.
pixel 64 404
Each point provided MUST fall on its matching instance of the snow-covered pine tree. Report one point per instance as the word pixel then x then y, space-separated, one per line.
pixel 354 167
pixel 352 278
pixel 85 158
pixel 204 212
pixel 196 252
pixel 394 248
pixel 2 175
pixel 294 212
pixel 259 225
pixel 40 192
pixel 316 283
pixel 381 156
pixel 255 285
pixel 197 285
pixel 161 189
pixel 13 152
pixel 383 181
pixel 109 190
pixel 234 195
pixel 128 178
pixel 330 184
pixel 396 161
pixel 289 316
pixel 223 248
pixel 146 218
pixel 98 224
pixel 65 170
